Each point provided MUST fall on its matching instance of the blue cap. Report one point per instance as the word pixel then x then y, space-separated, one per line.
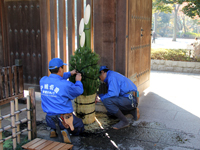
pixel 102 68
pixel 56 63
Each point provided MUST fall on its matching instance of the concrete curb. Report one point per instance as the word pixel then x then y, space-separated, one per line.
pixel 175 66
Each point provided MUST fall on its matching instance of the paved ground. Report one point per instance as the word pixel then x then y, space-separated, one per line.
pixel 180 43
pixel 170 119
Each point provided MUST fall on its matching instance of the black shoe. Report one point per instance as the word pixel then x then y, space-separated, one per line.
pixel 121 125
pixel 123 121
pixel 135 113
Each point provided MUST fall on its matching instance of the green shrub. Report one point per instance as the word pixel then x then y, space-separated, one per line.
pixel 191 35
pixel 171 54
pixel 8 144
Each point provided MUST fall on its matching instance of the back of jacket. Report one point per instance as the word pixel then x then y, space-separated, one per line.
pixel 57 93
pixel 118 85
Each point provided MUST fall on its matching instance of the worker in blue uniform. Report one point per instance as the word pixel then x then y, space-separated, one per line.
pixel 57 94
pixel 119 100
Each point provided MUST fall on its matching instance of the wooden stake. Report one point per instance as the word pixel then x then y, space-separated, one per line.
pixel 29 117
pixel 12 108
pixel 33 112
pixel 1 144
pixel 17 119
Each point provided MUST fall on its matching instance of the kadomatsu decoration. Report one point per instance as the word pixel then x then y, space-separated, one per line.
pixel 85 61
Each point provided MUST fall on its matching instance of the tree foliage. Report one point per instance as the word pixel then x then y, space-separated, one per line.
pixel 161 6
pixel 163 23
pixel 85 61
pixel 192 8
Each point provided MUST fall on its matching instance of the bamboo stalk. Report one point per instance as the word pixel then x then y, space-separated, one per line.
pixel 17 112
pixel 17 119
pixel 20 132
pixel 81 26
pixel 87 27
pixel 13 124
pixel 16 123
pixel 1 144
pixel 92 25
pixel 81 30
pixel 82 40
pixel 29 117
pixel 9 137
pixel 4 117
pixel 5 128
pixel 21 110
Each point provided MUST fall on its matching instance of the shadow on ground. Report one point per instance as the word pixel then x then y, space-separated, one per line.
pixel 150 132
pixel 141 134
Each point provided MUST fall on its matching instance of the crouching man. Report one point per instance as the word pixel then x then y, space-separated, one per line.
pixel 120 98
pixel 56 95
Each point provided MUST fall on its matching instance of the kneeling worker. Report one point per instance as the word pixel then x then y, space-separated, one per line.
pixel 120 99
pixel 56 95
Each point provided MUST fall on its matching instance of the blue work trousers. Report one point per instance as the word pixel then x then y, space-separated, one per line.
pixel 114 104
pixel 77 123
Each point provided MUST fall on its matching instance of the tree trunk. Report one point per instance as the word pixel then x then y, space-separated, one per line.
pixel 176 8
pixel 184 27
pixel 155 21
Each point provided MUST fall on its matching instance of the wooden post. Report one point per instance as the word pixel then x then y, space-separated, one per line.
pixel 62 32
pixel 29 117
pixel 12 109
pixel 33 112
pixel 17 119
pixel 1 144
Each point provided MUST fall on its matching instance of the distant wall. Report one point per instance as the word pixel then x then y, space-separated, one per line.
pixel 175 66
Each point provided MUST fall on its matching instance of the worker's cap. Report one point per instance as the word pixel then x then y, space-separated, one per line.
pixel 56 63
pixel 102 68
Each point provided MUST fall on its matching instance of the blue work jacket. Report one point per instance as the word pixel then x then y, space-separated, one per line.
pixel 118 85
pixel 57 93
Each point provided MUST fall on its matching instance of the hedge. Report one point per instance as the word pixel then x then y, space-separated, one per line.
pixel 171 54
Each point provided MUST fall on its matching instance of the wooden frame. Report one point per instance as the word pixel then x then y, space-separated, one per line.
pixel 11 84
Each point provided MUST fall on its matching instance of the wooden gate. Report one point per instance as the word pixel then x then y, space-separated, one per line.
pixel 123 37
pixel 22 37
pixel 29 31
pixel 121 30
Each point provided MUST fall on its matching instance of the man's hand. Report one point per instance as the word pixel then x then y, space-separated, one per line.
pixel 73 72
pixel 97 99
pixel 78 77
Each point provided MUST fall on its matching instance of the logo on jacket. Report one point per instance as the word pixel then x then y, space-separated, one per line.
pixel 49 90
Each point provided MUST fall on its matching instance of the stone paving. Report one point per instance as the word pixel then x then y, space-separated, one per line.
pixel 180 43
pixel 170 119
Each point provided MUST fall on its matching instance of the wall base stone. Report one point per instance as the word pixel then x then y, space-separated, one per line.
pixel 176 66
pixel 178 69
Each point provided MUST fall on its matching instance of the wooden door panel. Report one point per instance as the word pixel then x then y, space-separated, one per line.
pixel 24 42
pixel 139 43
pixel 131 56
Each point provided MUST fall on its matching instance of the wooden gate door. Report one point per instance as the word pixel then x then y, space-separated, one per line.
pixel 139 42
pixel 122 37
pixel 23 37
